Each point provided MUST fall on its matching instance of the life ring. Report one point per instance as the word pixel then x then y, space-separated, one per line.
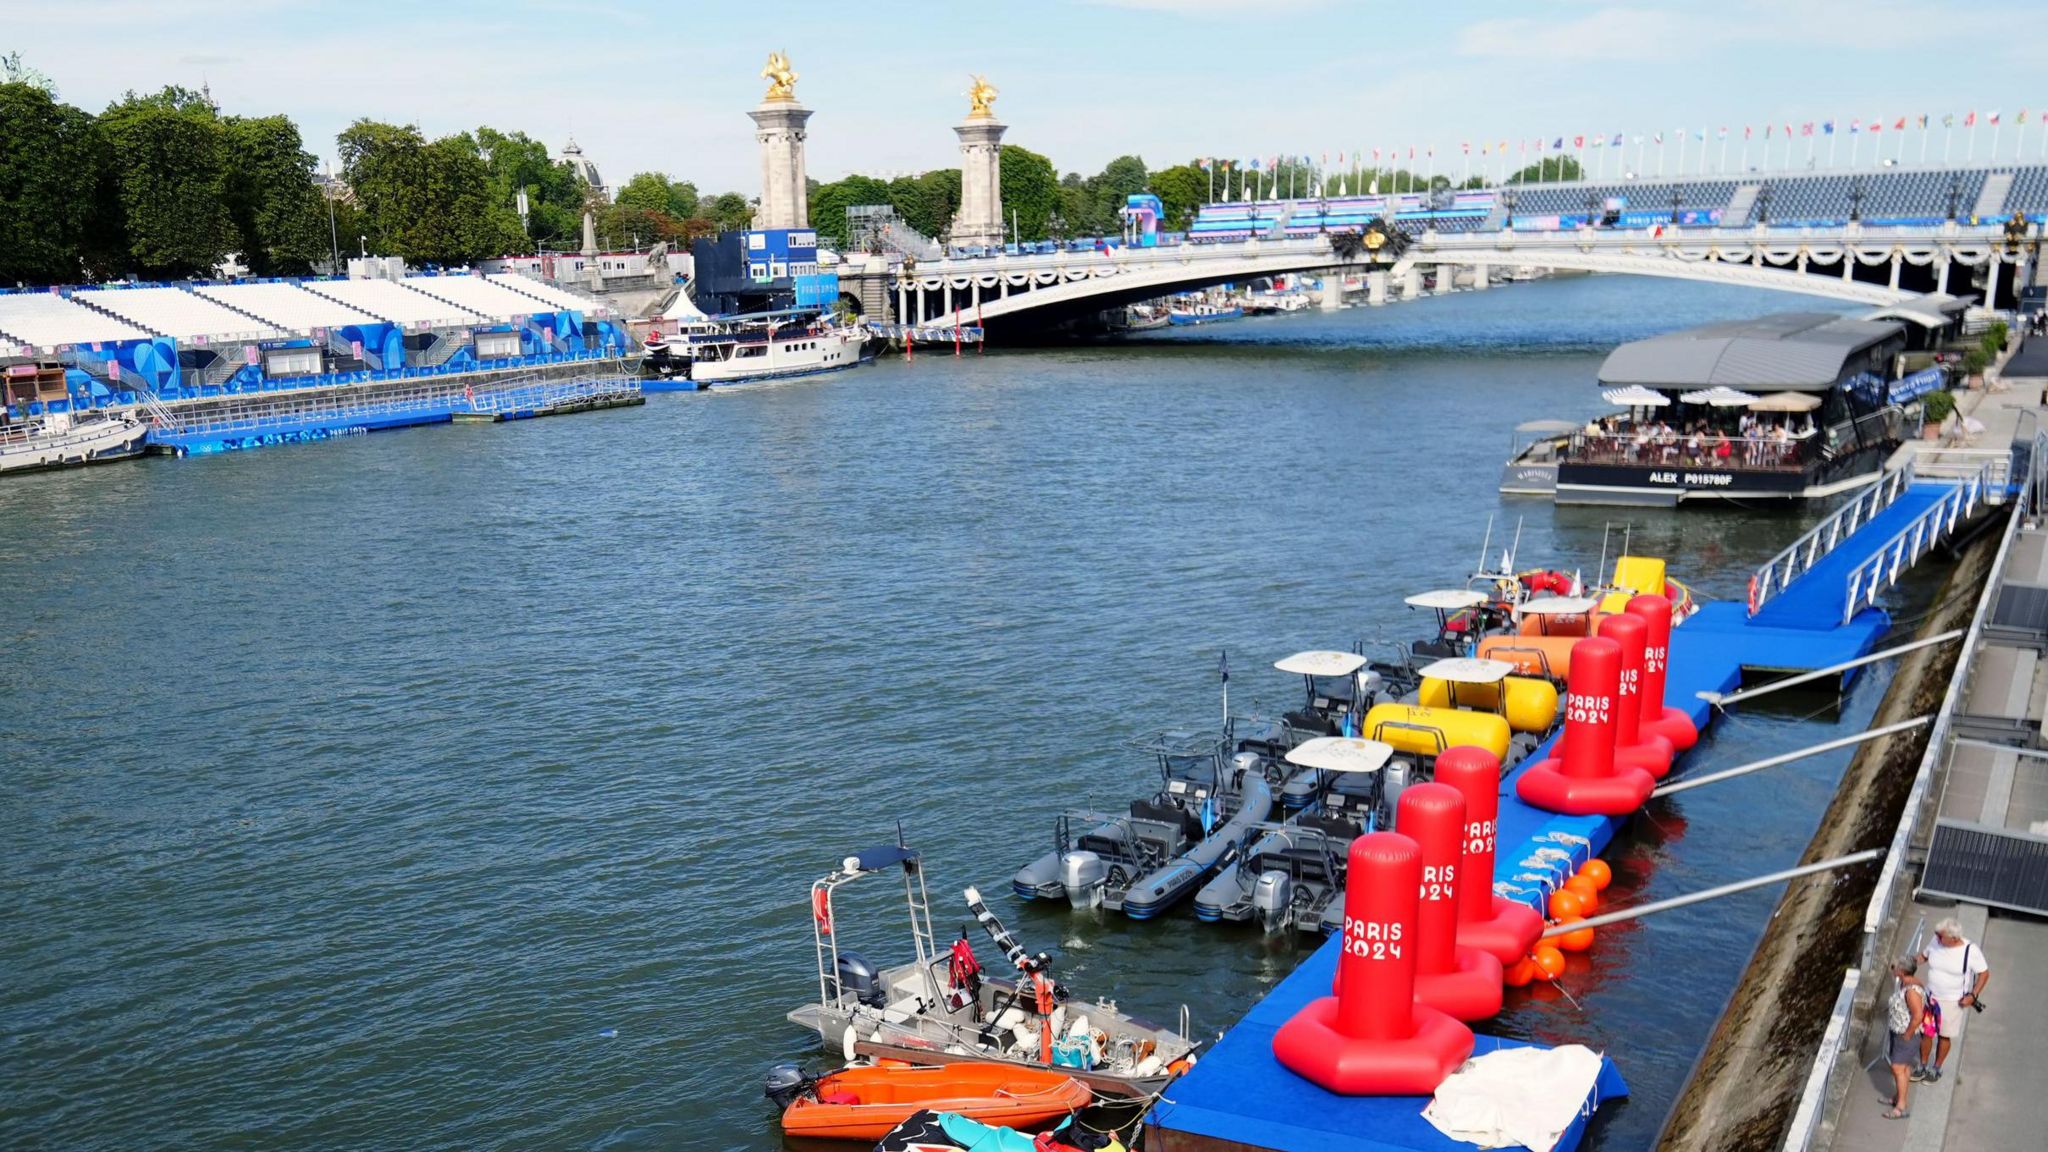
pixel 821 910
pixel 1752 596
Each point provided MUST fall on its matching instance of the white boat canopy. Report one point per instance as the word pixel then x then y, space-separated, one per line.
pixel 1635 396
pixel 1468 670
pixel 1552 427
pixel 1786 402
pixel 1321 663
pixel 1719 397
pixel 1559 606
pixel 1448 599
pixel 1340 754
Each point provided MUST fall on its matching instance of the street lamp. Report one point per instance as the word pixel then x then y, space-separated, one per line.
pixel 1856 201
pixel 1763 205
pixel 1507 201
pixel 1955 196
pixel 1676 199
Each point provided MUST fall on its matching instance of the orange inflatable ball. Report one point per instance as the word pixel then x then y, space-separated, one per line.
pixel 1565 905
pixel 1518 974
pixel 1598 872
pixel 1575 941
pixel 1549 961
pixel 1584 889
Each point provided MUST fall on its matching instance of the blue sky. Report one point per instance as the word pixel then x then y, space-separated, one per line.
pixel 665 86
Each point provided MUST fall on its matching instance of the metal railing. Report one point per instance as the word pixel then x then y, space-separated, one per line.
pixel 1799 558
pixel 278 410
pixel 1823 1096
pixel 523 396
pixel 1869 579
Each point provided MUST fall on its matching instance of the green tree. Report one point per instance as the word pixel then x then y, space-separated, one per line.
pixel 1111 190
pixel 927 202
pixel 174 159
pixel 51 167
pixel 730 211
pixel 1548 170
pixel 829 203
pixel 280 221
pixel 428 202
pixel 655 192
pixel 1030 190
pixel 1182 190
pixel 555 193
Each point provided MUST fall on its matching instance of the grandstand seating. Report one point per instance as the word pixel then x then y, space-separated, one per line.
pixel 45 319
pixel 546 293
pixel 286 305
pixel 177 313
pixel 393 301
pixel 479 295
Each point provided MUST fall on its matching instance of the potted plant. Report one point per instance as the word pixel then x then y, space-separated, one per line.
pixel 1935 409
pixel 1974 362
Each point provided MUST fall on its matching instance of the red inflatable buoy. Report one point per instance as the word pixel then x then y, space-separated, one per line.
pixel 1506 928
pixel 1449 974
pixel 1584 780
pixel 1671 723
pixel 1633 747
pixel 1373 1039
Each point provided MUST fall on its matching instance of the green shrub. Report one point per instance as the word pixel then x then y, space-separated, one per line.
pixel 1975 360
pixel 1938 406
pixel 1994 336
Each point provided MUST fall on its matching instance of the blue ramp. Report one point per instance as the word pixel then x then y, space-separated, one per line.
pixel 1816 599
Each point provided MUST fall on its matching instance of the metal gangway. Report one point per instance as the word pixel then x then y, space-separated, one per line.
pixel 530 395
pixel 1988 484
pixel 1800 556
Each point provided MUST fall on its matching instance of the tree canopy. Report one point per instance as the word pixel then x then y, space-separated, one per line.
pixel 430 202
pixel 53 206
pixel 1030 189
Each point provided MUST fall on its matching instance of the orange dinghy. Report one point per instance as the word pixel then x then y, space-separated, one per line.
pixel 865 1103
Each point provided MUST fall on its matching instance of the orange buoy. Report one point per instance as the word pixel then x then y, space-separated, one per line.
pixel 1565 904
pixel 1518 974
pixel 1587 892
pixel 1598 872
pixel 1548 960
pixel 1575 941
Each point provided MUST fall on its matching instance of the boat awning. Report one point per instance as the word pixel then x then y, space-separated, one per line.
pixel 1468 670
pixel 1635 396
pixel 1926 311
pixel 1554 427
pixel 1803 351
pixel 1559 606
pixel 1786 402
pixel 1321 663
pixel 1447 599
pixel 1719 397
pixel 1340 754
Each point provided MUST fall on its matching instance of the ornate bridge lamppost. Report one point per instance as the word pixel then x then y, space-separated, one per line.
pixel 1856 195
pixel 1677 199
pixel 1763 205
pixel 1955 196
pixel 1507 201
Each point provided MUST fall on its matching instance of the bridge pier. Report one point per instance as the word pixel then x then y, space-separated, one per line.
pixel 1411 283
pixel 1376 287
pixel 1479 279
pixel 1446 278
pixel 1333 289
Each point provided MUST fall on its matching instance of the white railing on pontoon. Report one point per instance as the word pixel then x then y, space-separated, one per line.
pixel 1802 554
pixel 1891 560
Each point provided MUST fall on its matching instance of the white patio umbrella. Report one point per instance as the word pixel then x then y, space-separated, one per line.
pixel 1786 402
pixel 1635 396
pixel 1719 397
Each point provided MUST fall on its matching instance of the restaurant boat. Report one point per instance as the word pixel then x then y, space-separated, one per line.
pixel 38 438
pixel 1793 406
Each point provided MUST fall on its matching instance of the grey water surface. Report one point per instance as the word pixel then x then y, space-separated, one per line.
pixel 461 787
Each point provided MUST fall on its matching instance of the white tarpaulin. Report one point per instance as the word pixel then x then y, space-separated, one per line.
pixel 1515 1096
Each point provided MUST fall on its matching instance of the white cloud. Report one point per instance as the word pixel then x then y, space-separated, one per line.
pixel 1626 34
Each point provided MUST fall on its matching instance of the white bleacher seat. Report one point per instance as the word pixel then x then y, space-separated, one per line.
pixel 478 295
pixel 393 301
pixel 287 305
pixel 45 319
pixel 544 292
pixel 179 314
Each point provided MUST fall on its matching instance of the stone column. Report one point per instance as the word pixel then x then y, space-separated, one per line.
pixel 1480 280
pixel 779 127
pixel 1411 282
pixel 1333 290
pixel 1446 278
pixel 1376 287
pixel 980 220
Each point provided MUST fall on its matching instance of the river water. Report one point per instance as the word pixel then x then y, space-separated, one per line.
pixel 461 787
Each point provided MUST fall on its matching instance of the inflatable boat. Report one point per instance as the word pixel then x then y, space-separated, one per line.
pixel 866 1102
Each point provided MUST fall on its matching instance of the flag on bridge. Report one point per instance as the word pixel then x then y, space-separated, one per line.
pixel 1970 121
pixel 1558 143
pixel 1723 134
pixel 1806 129
pixel 1855 126
pixel 1616 141
pixel 1899 125
pixel 1876 125
pixel 2021 118
pixel 1948 120
pixel 1827 127
pixel 1578 141
pixel 1747 131
pixel 1994 117
pixel 1658 138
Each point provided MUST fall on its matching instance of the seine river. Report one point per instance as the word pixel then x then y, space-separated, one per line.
pixel 461 787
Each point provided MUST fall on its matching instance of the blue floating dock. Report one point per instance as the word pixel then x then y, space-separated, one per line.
pixel 1239 1097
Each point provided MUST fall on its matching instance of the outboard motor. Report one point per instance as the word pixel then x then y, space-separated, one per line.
pixel 1244 764
pixel 1273 900
pixel 861 980
pixel 1083 875
pixel 1369 685
pixel 785 1083
pixel 1394 780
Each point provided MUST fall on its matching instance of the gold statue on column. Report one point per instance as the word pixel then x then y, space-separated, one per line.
pixel 981 99
pixel 780 76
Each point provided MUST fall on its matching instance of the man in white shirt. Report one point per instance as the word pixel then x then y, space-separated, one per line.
pixel 1955 972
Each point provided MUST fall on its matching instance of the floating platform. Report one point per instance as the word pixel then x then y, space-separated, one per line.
pixel 1239 1098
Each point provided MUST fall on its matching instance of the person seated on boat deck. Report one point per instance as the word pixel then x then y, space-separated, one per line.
pixel 1724 449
